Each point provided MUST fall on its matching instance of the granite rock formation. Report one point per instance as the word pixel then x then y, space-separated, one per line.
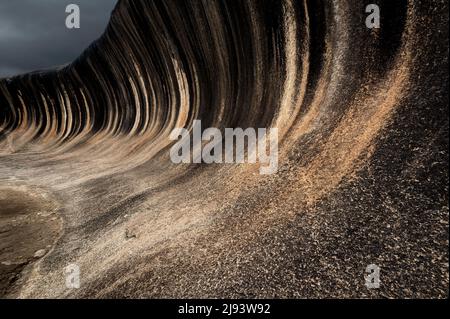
pixel 363 174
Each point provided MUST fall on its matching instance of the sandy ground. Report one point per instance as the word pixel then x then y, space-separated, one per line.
pixel 29 226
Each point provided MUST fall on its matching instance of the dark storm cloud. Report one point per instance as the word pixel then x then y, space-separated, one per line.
pixel 33 34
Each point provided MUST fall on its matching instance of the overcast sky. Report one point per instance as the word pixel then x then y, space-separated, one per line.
pixel 33 34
